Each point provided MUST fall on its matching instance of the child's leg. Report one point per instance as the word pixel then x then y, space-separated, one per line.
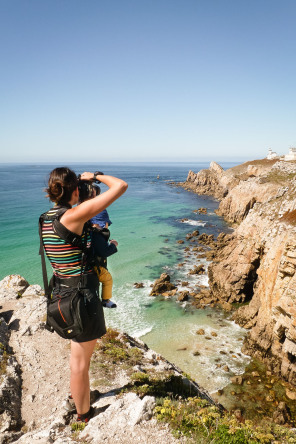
pixel 106 280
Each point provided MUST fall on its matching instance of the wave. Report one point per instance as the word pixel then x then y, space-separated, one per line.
pixel 196 223
pixel 140 333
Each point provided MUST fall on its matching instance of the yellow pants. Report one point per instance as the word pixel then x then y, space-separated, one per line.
pixel 106 280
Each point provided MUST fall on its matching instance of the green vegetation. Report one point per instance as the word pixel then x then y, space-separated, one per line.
pixel 278 177
pixel 116 349
pixel 78 426
pixel 204 423
pixel 113 353
pixel 159 385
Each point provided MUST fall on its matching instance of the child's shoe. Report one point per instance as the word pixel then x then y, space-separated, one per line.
pixel 108 303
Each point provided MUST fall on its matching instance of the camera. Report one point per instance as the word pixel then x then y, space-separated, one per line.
pixel 87 189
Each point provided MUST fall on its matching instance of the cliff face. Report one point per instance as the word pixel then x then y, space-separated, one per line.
pixel 257 266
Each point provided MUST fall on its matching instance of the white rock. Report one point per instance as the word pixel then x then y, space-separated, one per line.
pixel 15 283
pixel 33 290
pixel 123 414
pixel 142 411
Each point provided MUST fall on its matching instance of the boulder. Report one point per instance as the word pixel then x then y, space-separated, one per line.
pixel 138 285
pixel 33 291
pixel 183 296
pixel 13 286
pixel 206 239
pixel 122 415
pixel 198 269
pixel 162 285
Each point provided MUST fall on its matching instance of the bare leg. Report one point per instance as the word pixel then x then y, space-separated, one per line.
pixel 79 364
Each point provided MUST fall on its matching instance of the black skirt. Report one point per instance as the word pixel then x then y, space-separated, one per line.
pixel 94 326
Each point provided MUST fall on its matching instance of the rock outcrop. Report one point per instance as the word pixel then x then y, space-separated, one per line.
pixel 207 181
pixel 162 285
pixel 257 264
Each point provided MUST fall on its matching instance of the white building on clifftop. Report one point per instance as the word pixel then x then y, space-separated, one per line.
pixel 291 155
pixel 271 155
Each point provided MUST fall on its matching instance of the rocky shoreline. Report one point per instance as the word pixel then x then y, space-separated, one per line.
pixel 199 247
pixel 255 265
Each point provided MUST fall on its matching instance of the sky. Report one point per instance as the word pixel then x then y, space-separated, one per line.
pixel 122 80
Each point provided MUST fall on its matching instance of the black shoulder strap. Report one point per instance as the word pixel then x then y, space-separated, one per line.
pixel 66 235
pixel 43 263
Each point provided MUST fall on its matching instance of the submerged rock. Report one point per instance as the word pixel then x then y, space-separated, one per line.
pixel 138 285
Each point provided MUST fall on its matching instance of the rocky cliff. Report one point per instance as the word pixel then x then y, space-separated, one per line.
pixel 257 265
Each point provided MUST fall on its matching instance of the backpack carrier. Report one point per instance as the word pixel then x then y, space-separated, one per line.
pixel 66 310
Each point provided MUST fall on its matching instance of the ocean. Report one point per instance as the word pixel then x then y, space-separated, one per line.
pixel 147 222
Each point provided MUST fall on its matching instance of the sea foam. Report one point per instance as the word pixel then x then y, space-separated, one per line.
pixel 196 223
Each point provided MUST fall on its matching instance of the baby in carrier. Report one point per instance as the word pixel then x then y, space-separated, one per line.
pixel 103 248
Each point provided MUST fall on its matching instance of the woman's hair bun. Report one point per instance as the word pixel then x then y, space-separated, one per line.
pixel 61 184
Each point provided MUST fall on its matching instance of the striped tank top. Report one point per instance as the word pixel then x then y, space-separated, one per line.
pixel 65 259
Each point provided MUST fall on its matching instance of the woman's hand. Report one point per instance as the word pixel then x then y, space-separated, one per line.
pixel 91 176
pixel 87 176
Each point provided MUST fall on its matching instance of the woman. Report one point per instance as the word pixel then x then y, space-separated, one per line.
pixel 66 261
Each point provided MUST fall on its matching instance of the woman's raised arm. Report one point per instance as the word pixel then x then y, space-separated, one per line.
pixel 75 218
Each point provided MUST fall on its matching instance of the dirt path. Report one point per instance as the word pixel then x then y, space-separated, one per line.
pixel 44 360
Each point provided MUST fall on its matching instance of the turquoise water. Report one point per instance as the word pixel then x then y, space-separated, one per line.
pixel 147 224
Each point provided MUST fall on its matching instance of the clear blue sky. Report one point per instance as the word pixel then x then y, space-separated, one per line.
pixel 146 79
